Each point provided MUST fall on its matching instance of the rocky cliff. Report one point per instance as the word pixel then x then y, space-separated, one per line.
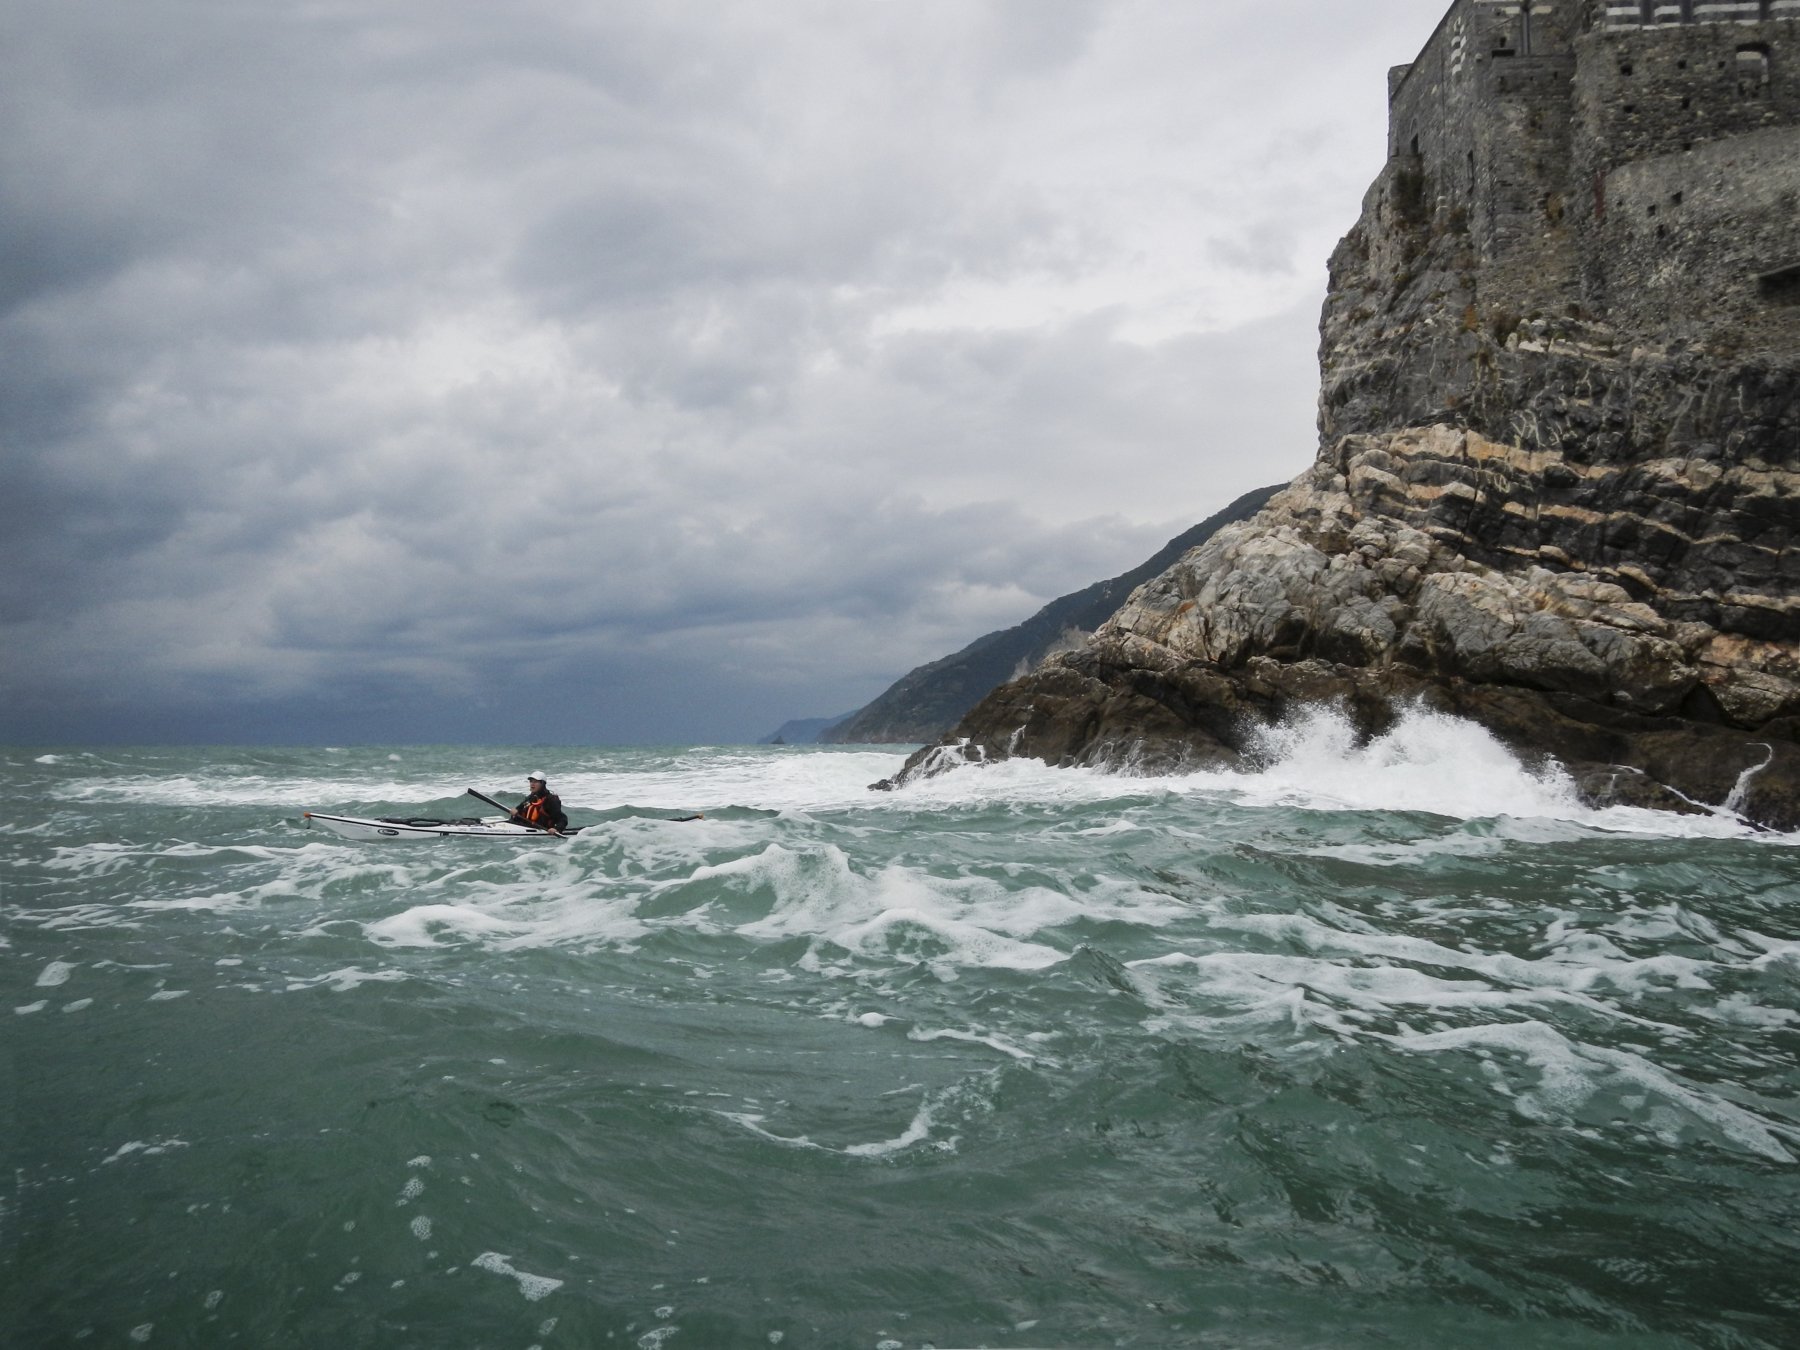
pixel 1569 520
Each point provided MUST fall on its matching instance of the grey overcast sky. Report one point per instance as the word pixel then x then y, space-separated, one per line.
pixel 613 372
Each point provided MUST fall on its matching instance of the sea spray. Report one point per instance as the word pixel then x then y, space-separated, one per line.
pixel 1427 761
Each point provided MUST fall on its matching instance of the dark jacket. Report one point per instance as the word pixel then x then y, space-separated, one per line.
pixel 543 809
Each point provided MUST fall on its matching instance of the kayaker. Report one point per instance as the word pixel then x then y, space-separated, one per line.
pixel 542 808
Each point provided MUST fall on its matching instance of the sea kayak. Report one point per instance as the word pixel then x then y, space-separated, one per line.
pixel 421 827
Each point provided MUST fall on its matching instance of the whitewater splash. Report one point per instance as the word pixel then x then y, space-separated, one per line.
pixel 1427 762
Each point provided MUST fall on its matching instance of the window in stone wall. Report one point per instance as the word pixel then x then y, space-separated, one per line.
pixel 1753 68
pixel 1780 287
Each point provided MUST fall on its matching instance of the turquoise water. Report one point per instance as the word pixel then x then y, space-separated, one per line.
pixel 1379 1046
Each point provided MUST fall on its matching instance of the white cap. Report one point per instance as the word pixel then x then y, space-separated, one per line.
pixel 537 777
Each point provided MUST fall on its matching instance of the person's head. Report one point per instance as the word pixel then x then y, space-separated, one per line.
pixel 536 782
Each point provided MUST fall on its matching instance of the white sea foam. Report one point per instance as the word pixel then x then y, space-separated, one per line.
pixel 439 926
pixel 534 1287
pixel 219 902
pixel 917 1130
pixel 992 1042
pixel 899 911
pixel 1578 982
pixel 1570 1072
pixel 54 974
pixel 147 1147
pixel 1742 1010
pixel 344 980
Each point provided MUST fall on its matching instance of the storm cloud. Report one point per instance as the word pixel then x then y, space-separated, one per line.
pixel 623 373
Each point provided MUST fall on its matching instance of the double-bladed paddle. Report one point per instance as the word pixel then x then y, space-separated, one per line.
pixel 510 813
pixel 483 797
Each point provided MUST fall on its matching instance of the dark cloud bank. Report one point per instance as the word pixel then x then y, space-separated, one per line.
pixel 619 373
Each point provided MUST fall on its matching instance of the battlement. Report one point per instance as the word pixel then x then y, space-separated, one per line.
pixel 1664 13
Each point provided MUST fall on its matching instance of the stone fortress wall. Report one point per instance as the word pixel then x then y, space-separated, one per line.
pixel 1640 158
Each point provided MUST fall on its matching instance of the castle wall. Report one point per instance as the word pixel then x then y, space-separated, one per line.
pixel 1587 148
pixel 1645 91
pixel 1432 101
pixel 1687 139
pixel 1698 241
pixel 1519 173
pixel 1480 136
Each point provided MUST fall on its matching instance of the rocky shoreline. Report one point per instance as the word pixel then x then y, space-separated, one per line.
pixel 1571 524
pixel 1320 600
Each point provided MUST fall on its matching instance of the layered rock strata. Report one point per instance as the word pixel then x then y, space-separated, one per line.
pixel 1544 500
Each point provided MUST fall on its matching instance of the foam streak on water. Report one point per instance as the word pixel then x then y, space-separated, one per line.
pixel 1379 1044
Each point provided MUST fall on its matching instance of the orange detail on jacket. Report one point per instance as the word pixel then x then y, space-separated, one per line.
pixel 535 811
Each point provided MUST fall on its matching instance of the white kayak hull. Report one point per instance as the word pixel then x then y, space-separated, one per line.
pixel 392 828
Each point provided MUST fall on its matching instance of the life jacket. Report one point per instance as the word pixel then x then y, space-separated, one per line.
pixel 536 811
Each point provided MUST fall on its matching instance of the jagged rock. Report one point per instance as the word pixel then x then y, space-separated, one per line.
pixel 1543 500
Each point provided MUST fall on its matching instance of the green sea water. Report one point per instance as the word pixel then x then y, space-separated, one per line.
pixel 1384 1045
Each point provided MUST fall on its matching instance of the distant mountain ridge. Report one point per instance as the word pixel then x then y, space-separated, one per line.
pixel 926 702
